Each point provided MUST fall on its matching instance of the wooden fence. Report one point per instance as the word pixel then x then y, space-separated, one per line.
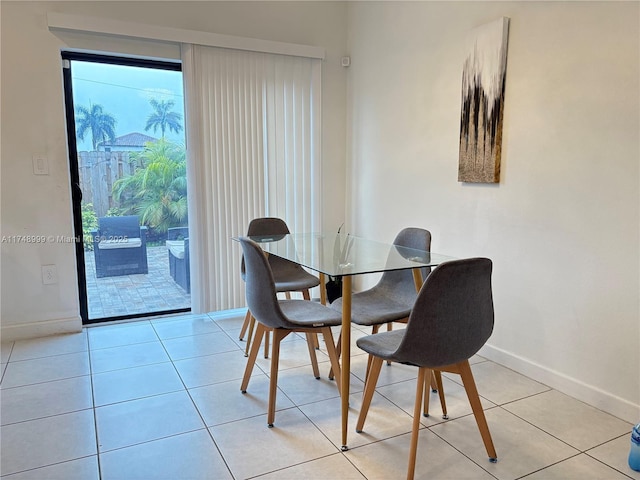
pixel 98 173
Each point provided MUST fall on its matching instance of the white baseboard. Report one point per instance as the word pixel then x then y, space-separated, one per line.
pixel 589 394
pixel 71 324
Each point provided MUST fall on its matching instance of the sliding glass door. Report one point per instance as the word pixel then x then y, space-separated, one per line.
pixel 125 122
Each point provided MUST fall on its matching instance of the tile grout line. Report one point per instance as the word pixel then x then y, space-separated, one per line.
pixel 195 406
pixel 93 403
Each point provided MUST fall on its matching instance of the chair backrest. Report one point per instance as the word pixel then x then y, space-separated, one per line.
pixel 453 315
pixel 177 233
pixel 125 226
pixel 260 286
pixel 273 227
pixel 267 226
pixel 399 284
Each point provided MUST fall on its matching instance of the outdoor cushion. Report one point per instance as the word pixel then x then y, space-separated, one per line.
pixel 117 243
pixel 176 247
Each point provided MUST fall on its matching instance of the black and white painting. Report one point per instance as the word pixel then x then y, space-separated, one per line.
pixel 483 84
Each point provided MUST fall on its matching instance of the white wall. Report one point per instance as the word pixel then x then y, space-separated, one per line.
pixel 33 122
pixel 562 227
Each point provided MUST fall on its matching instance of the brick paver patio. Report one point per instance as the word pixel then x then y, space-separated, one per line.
pixel 134 294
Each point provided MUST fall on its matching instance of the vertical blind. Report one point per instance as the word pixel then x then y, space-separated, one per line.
pixel 253 150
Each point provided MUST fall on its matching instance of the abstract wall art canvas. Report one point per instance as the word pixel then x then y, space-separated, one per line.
pixel 483 85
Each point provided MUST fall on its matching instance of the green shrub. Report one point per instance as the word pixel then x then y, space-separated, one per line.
pixel 89 223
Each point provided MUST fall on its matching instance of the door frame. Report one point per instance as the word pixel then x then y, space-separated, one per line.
pixel 76 192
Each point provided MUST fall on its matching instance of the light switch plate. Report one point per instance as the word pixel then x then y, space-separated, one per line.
pixel 40 165
pixel 49 274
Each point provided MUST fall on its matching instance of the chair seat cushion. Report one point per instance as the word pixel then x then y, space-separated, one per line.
pixel 120 243
pixel 304 313
pixel 176 247
pixel 294 280
pixel 383 344
pixel 372 308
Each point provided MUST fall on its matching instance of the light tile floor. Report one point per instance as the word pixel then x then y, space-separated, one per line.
pixel 160 399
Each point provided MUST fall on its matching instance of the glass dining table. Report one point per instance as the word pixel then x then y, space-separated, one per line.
pixel 344 256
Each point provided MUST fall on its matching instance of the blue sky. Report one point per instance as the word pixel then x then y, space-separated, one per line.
pixel 124 92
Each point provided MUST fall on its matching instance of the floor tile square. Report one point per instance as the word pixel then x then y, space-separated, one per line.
pixel 302 387
pixel 82 469
pixel 521 447
pixel 190 456
pixel 221 367
pixel 230 320
pixel 199 345
pixel 334 466
pixel 46 441
pixel 384 420
pixel 499 384
pixel 436 459
pixel 131 383
pixel 224 403
pixel 403 395
pixel 294 352
pixel 41 400
pixel 185 326
pixel 49 346
pixel 28 372
pixel 578 424
pixel 5 351
pixel 580 467
pixel 117 335
pixel 138 421
pixel 127 356
pixel 293 439
pixel 616 454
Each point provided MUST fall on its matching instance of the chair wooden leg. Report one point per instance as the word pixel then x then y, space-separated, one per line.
pixel 369 388
pixel 368 370
pixel 333 354
pixel 433 382
pixel 437 376
pixel 474 399
pixel 252 323
pixel 251 361
pixel 427 392
pixel 278 335
pixel 338 350
pixel 245 324
pixel 312 355
pixel 423 374
pixel 266 344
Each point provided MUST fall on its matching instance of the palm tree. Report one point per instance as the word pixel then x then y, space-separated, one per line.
pixel 157 191
pixel 163 117
pixel 94 119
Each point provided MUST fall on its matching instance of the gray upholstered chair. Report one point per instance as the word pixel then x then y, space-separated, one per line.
pixel 281 317
pixel 451 320
pixel 289 277
pixel 392 298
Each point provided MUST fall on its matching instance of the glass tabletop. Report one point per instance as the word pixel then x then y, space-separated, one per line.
pixel 337 254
